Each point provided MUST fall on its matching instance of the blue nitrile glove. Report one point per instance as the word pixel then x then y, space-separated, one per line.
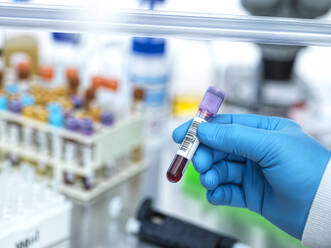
pixel 266 164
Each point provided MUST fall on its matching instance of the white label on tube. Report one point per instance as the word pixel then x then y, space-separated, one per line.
pixel 191 141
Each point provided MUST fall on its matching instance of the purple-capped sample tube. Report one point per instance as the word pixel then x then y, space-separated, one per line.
pixel 86 126
pixel 71 123
pixel 77 101
pixel 69 177
pixel 88 182
pixel 107 118
pixel 208 108
pixel 15 106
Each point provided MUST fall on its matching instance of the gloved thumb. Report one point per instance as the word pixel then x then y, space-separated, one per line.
pixel 248 142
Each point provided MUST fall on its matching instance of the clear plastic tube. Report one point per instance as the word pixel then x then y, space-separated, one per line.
pixel 268 30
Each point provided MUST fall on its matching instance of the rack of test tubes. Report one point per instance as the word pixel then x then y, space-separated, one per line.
pixel 59 130
pixel 32 214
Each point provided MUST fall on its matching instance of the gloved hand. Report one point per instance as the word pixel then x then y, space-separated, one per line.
pixel 266 164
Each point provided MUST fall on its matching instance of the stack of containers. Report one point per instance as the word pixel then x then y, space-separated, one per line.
pixel 149 69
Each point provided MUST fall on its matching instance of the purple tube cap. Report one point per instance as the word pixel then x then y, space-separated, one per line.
pixel 15 106
pixel 212 100
pixel 86 126
pixel 72 123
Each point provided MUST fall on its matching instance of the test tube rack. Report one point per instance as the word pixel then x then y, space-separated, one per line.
pixel 108 144
pixel 32 214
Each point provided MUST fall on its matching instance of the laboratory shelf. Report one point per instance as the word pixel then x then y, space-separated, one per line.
pixel 88 17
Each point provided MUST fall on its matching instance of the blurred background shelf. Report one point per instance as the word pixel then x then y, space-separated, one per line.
pixel 268 30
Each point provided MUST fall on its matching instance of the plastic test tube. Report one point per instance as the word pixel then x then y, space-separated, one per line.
pixel 71 123
pixel 208 108
pixel 27 101
pixel 86 128
pixel 15 106
pixel 56 120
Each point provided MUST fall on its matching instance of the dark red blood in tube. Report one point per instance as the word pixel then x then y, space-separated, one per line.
pixel 175 171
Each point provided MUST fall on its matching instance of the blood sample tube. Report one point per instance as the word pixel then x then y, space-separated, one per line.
pixel 208 108
pixel 70 148
pixel 86 128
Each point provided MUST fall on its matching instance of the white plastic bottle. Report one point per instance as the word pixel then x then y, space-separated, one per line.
pixel 148 68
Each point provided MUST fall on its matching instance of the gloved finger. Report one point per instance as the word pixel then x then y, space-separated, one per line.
pixel 223 172
pixel 228 194
pixel 252 120
pixel 234 158
pixel 205 157
pixel 179 133
pixel 235 139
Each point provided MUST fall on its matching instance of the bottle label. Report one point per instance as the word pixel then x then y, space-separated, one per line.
pixel 149 80
pixel 191 141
